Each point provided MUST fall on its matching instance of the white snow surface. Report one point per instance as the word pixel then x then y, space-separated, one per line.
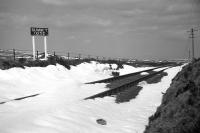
pixel 60 107
pixel 144 73
pixel 129 69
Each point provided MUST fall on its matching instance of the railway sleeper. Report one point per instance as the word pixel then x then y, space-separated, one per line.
pixel 121 88
pixel 121 77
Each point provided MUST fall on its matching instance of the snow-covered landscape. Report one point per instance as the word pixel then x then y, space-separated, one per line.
pixel 99 66
pixel 60 108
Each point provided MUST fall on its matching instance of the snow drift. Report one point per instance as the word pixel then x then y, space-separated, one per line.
pixel 60 107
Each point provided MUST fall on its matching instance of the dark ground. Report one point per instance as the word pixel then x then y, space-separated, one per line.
pixel 179 111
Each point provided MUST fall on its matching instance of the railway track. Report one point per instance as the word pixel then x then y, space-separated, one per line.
pixel 121 77
pixel 125 86
pixel 20 98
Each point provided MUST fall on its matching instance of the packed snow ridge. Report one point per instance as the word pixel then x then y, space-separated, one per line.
pixel 60 107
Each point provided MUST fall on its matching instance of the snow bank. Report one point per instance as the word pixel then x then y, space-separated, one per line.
pixel 129 69
pixel 61 109
pixel 144 73
pixel 87 72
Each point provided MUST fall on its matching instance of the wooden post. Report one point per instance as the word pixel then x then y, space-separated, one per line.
pixel 33 42
pixel 37 54
pixel 189 58
pixel 79 56
pixel 45 47
pixel 14 54
pixel 68 55
pixel 119 60
pixel 192 36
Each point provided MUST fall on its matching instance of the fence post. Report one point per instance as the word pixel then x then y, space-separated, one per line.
pixel 119 60
pixel 88 56
pixel 79 56
pixel 68 55
pixel 14 54
pixel 54 54
pixel 37 54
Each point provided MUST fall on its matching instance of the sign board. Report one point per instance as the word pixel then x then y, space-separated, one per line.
pixel 35 31
pixel 39 31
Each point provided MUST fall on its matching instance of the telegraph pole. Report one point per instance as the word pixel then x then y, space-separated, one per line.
pixel 189 55
pixel 191 35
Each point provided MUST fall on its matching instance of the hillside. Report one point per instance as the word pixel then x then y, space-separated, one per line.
pixel 179 111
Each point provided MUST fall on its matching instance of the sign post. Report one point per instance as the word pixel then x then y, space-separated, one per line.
pixel 39 32
pixel 45 47
pixel 33 42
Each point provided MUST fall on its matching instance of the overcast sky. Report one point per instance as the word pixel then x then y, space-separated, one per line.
pixel 143 29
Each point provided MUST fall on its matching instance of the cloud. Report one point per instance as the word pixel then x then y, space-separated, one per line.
pixel 126 12
pixel 115 15
pixel 78 20
pixel 12 19
pixel 102 22
pixel 55 2
pixel 88 41
pixel 72 37
pixel 63 2
pixel 73 22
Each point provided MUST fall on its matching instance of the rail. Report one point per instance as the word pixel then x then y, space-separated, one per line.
pixel 121 77
pixel 123 87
